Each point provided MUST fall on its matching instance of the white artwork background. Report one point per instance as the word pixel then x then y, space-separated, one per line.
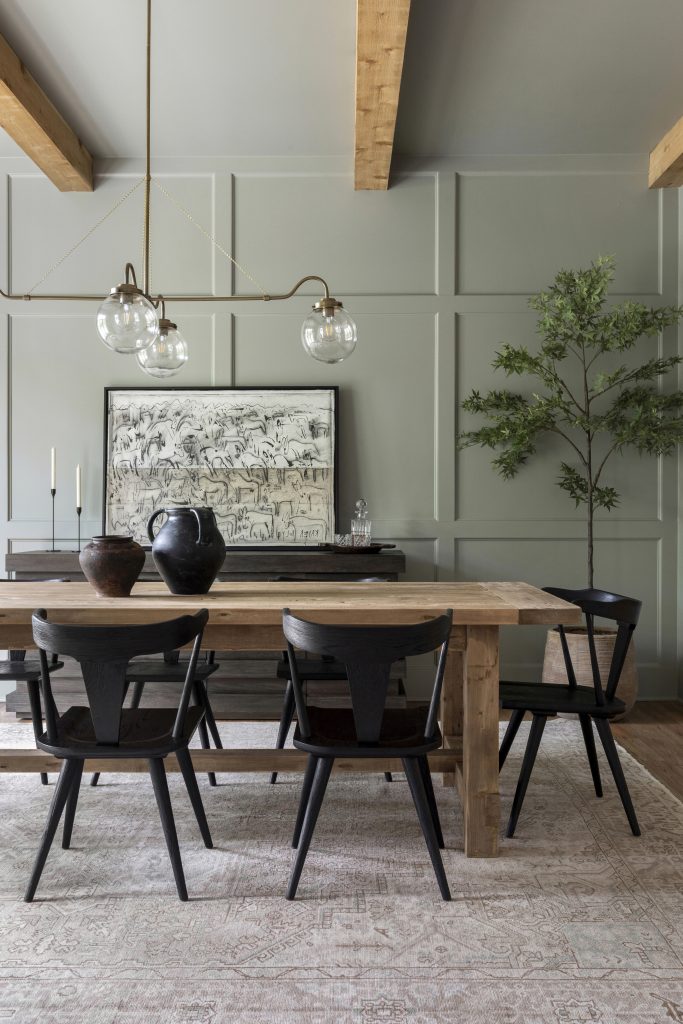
pixel 262 460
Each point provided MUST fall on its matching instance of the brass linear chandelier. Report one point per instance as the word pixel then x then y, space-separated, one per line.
pixel 132 321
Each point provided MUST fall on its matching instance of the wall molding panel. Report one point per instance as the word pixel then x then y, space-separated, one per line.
pixel 438 273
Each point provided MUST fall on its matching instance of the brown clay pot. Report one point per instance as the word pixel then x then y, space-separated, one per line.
pixel 111 564
pixel 554 670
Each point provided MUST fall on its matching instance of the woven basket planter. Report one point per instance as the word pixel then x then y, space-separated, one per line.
pixel 554 670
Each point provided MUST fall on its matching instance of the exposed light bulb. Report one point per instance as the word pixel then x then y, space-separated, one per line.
pixel 167 354
pixel 127 321
pixel 328 333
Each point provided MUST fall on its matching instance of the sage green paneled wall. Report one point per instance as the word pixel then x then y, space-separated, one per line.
pixel 437 272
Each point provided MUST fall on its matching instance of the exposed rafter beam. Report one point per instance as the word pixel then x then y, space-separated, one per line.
pixel 380 46
pixel 36 125
pixel 666 159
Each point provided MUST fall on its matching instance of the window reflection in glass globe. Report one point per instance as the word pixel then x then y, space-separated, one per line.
pixel 329 334
pixel 127 321
pixel 167 354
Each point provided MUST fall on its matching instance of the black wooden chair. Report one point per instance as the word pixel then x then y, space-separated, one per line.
pixel 17 668
pixel 173 670
pixel 368 728
pixel 325 669
pixel 593 704
pixel 105 729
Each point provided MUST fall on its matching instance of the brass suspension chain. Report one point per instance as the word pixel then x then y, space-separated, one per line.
pixel 207 234
pixel 86 236
pixel 148 182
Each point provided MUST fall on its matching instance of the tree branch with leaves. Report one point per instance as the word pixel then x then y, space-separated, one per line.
pixel 596 409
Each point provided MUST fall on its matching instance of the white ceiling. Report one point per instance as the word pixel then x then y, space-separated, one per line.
pixel 229 77
pixel 540 76
pixel 276 77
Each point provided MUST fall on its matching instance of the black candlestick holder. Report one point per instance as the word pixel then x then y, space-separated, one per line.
pixel 78 514
pixel 53 491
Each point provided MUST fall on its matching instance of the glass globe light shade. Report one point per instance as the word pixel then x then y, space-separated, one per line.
pixel 328 332
pixel 167 354
pixel 127 321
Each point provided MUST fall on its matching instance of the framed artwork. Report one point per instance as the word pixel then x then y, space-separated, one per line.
pixel 264 459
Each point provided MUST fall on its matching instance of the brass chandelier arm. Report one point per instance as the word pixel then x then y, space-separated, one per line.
pixel 259 297
pixel 148 152
pixel 251 298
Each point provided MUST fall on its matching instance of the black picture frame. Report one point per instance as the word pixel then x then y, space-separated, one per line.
pixel 314 482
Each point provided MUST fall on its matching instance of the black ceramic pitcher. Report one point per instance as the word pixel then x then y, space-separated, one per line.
pixel 188 550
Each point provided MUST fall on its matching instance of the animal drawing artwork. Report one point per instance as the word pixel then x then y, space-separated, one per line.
pixel 263 460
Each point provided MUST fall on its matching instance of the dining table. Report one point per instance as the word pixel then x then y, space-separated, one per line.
pixel 247 616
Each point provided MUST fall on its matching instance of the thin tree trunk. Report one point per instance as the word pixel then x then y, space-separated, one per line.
pixel 589 474
pixel 590 538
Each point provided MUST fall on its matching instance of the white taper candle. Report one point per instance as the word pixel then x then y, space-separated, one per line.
pixel 78 486
pixel 53 469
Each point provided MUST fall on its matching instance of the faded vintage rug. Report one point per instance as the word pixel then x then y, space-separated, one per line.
pixel 576 921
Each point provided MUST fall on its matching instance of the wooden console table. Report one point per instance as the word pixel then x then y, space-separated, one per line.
pixel 247 616
pixel 256 564
pixel 245 687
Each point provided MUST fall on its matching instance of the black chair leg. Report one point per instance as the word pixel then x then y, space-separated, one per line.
pixel 424 814
pixel 286 719
pixel 59 798
pixel 610 748
pixel 309 775
pixel 36 716
pixel 71 803
pixel 136 695
pixel 208 723
pixel 589 740
pixel 509 738
pixel 202 730
pixel 388 777
pixel 158 773
pixel 533 743
pixel 187 768
pixel 423 764
pixel 211 720
pixel 322 775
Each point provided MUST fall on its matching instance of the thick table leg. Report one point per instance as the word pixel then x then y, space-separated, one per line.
pixel 481 802
pixel 451 703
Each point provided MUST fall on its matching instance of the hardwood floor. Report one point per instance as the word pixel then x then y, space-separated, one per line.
pixel 653 734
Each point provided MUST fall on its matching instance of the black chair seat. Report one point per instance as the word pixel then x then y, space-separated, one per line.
pixel 145 732
pixel 25 670
pixel 313 668
pixel 369 729
pixel 402 733
pixel 593 705
pixel 548 698
pixel 165 672
pixel 105 728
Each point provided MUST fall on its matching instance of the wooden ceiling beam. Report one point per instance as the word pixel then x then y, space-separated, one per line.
pixel 36 125
pixel 380 46
pixel 666 160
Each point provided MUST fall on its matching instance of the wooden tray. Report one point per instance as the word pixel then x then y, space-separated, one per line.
pixel 346 549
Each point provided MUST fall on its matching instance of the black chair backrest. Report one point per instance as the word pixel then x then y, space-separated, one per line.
pixel 103 653
pixel 601 604
pixel 368 653
pixel 304 579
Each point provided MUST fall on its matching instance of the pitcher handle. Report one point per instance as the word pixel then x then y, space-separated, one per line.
pixel 153 516
pixel 194 511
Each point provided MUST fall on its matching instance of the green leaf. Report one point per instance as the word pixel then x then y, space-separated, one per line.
pixel 575 387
